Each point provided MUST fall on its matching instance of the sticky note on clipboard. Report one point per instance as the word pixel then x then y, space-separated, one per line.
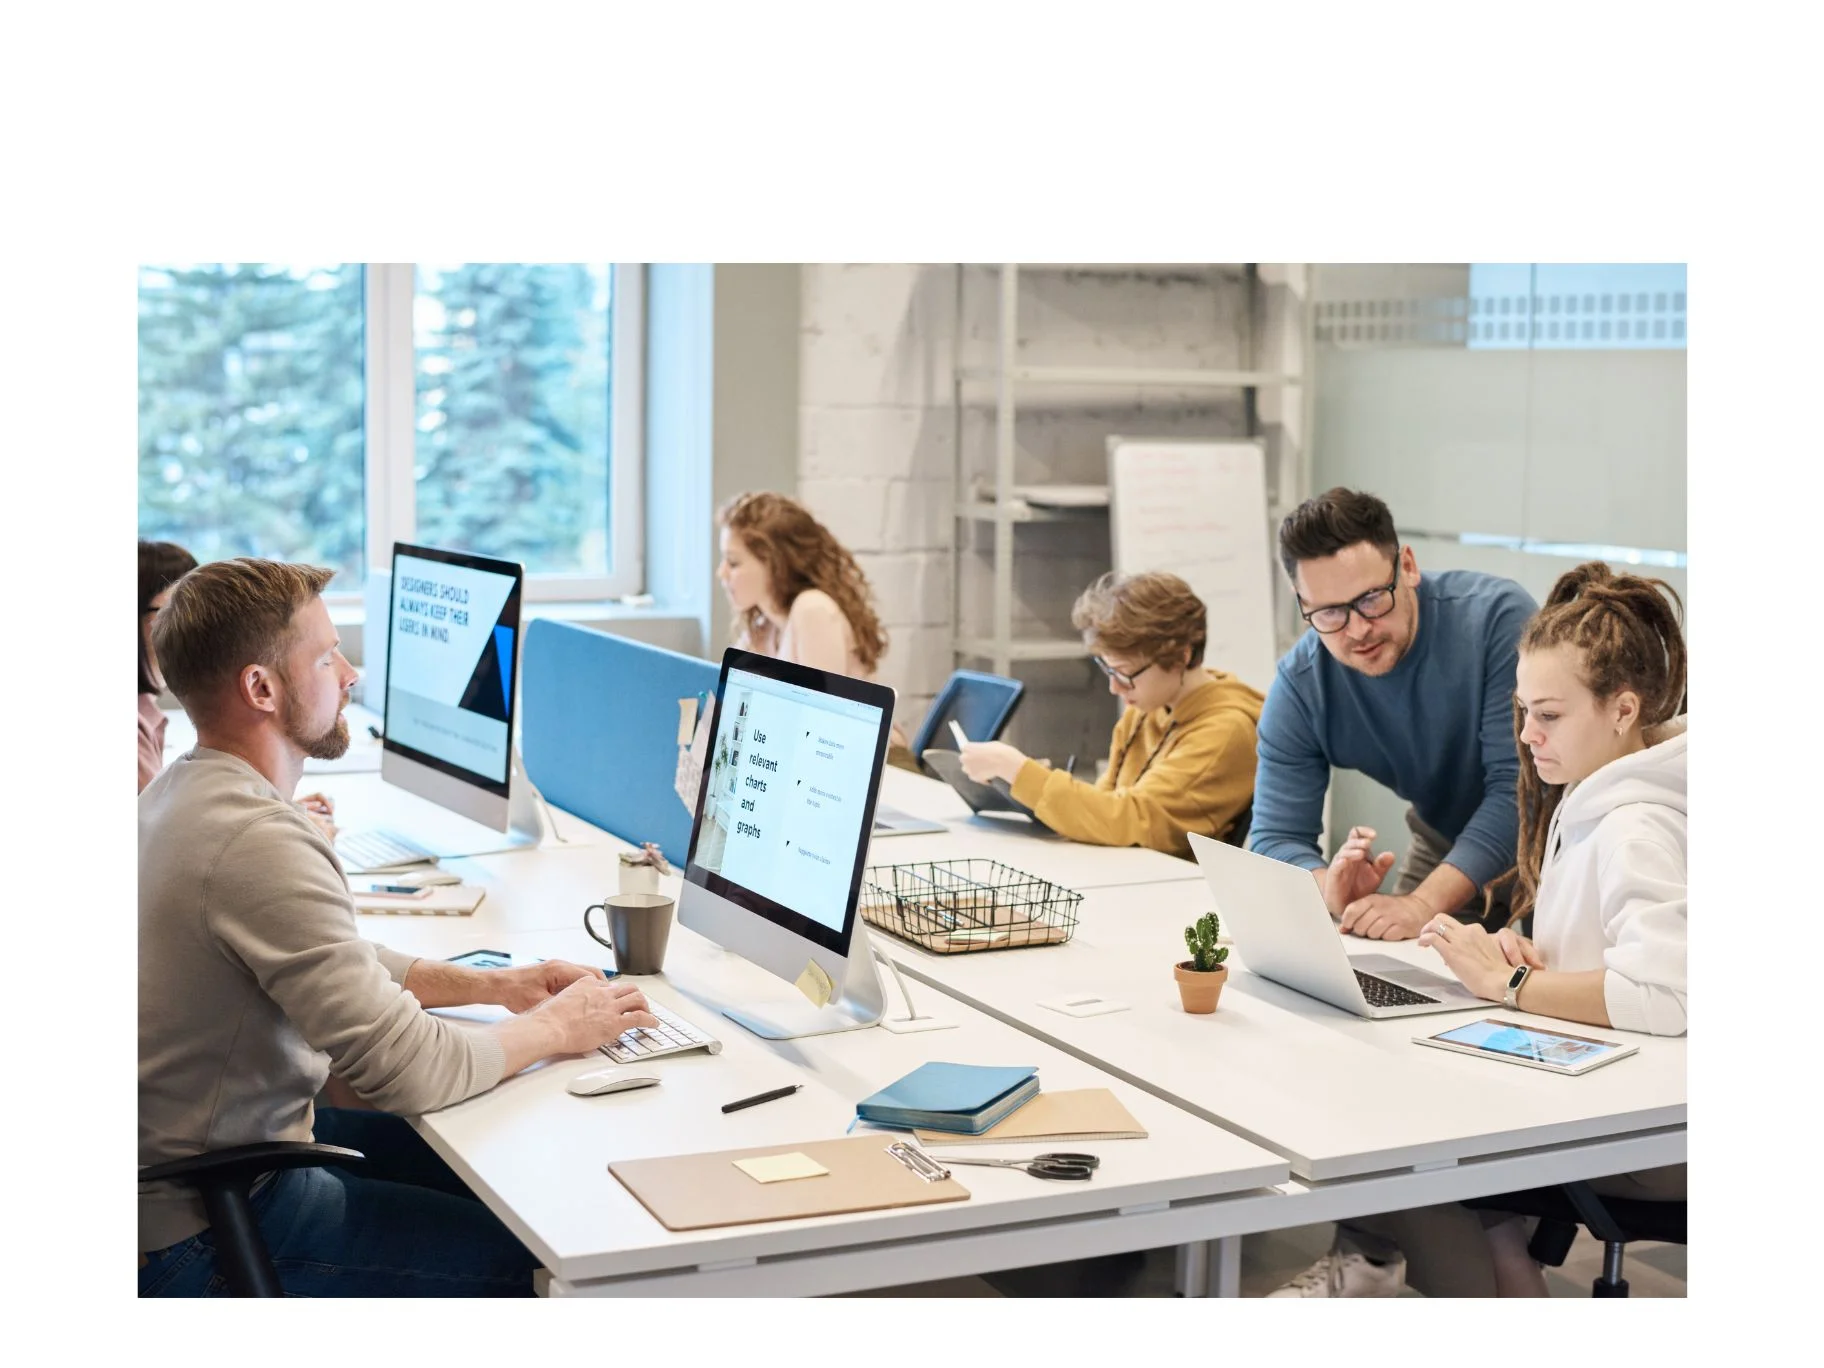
pixel 780 1168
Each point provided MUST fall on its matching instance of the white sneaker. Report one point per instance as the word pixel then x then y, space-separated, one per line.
pixel 1346 1272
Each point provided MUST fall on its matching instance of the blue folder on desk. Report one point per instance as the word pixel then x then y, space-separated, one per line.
pixel 964 1098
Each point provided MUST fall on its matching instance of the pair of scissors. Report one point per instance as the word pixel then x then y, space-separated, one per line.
pixel 1063 1167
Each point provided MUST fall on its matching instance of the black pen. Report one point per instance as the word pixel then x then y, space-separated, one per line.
pixel 758 1098
pixel 374 731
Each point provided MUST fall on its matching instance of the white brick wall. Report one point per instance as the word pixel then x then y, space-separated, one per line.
pixel 876 444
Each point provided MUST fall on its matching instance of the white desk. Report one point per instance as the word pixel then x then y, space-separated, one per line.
pixel 1364 1120
pixel 1031 850
pixel 539 1156
pixel 1340 1097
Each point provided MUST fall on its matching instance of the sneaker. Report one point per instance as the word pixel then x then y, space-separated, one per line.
pixel 1347 1272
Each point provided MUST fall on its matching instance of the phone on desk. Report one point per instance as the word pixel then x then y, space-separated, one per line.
pixel 497 959
pixel 1509 1041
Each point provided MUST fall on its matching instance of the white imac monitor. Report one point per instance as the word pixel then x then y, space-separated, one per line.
pixel 452 655
pixel 781 834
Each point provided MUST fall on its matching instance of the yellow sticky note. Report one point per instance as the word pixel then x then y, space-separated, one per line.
pixel 777 1168
pixel 815 984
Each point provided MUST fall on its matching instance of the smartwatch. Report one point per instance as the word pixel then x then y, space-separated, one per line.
pixel 1511 998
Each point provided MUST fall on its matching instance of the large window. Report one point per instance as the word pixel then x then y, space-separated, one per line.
pixel 322 412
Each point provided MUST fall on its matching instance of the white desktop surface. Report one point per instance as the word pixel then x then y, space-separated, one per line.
pixel 539 1156
pixel 1337 1094
pixel 1042 854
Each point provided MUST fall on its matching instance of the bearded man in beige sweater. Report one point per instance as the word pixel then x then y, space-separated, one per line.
pixel 254 983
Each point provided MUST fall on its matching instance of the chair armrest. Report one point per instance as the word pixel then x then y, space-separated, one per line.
pixel 244 1163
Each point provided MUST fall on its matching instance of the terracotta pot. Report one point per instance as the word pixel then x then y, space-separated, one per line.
pixel 1199 991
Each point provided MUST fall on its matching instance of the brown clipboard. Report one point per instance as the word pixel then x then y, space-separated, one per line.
pixel 698 1191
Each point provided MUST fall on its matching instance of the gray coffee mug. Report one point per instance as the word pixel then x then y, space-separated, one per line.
pixel 639 925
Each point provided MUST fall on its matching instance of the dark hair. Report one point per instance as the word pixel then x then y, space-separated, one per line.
pixel 1627 636
pixel 800 553
pixel 1152 614
pixel 161 565
pixel 225 616
pixel 1323 525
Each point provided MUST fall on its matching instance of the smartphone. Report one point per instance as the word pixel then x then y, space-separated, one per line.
pixel 1509 1041
pixel 386 888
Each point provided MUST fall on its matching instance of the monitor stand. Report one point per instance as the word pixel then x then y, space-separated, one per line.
pixel 861 1002
pixel 526 824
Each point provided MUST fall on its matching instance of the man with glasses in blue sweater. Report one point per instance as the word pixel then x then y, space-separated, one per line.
pixel 1409 679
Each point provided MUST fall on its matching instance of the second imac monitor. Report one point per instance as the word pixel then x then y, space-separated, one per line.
pixel 781 835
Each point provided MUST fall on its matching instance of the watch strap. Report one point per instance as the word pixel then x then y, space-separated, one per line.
pixel 1511 998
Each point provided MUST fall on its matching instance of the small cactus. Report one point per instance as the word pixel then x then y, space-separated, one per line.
pixel 1201 937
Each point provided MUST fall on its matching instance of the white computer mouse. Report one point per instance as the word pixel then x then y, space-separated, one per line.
pixel 610 1081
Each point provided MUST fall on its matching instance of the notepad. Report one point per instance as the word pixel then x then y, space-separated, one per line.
pixel 444 900
pixel 1075 1114
pixel 956 1099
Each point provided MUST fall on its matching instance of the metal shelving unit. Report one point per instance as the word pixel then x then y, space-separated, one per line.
pixel 1004 505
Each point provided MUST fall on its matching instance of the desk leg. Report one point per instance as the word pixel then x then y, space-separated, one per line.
pixel 1225 1270
pixel 1191 1276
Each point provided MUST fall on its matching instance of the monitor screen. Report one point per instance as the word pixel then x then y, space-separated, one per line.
pixel 449 662
pixel 788 787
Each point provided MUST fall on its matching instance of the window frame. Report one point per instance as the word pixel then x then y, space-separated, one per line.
pixel 392 426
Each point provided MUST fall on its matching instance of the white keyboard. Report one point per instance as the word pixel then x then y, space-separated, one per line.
pixel 673 1035
pixel 367 852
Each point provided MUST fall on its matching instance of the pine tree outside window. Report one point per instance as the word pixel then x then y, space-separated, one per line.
pixel 322 412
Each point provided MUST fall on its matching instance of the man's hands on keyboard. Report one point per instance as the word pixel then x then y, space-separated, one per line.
pixel 591 1011
pixel 523 988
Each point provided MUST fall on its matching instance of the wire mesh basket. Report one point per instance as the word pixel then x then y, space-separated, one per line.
pixel 957 906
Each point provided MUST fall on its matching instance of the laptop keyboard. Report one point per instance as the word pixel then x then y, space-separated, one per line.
pixel 1381 993
pixel 363 851
pixel 673 1035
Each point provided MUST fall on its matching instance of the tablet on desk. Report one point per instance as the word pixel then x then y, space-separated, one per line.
pixel 1558 1051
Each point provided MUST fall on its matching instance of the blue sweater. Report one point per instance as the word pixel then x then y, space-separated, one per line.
pixel 1437 729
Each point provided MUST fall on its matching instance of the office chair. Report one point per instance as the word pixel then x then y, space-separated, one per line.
pixel 224 1179
pixel 1237 835
pixel 981 704
pixel 1613 1220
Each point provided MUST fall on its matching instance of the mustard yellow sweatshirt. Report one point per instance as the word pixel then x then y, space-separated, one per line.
pixel 1170 771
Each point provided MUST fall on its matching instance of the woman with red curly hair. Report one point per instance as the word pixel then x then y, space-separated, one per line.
pixel 797 593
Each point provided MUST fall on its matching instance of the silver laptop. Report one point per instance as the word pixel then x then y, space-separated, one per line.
pixel 892 822
pixel 1283 932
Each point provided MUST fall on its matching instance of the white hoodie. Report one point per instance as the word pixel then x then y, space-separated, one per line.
pixel 1612 891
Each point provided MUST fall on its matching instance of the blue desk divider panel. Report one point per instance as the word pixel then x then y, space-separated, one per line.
pixel 600 732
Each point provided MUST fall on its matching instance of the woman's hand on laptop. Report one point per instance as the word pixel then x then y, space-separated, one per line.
pixel 985 760
pixel 1480 961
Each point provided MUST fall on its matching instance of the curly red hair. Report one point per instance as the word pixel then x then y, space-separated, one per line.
pixel 800 553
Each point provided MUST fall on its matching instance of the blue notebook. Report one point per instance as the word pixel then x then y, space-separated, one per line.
pixel 964 1098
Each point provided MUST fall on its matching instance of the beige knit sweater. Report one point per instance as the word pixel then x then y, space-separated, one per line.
pixel 254 983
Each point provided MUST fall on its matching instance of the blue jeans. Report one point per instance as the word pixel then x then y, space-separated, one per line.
pixel 400 1225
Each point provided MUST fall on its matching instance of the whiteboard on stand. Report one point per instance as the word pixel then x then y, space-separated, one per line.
pixel 1199 510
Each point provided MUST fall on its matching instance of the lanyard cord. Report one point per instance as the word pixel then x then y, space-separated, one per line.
pixel 1149 759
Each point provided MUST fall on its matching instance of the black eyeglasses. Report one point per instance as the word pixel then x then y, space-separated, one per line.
pixel 1120 677
pixel 1376 603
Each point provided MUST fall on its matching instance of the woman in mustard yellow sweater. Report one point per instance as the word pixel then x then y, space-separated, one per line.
pixel 1182 758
